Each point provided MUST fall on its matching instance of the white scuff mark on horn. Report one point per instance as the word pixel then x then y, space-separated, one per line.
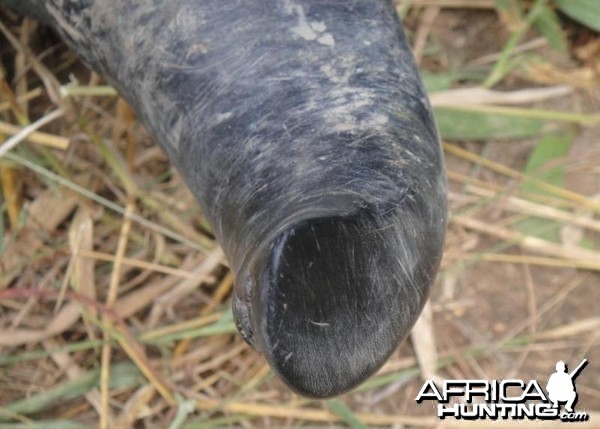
pixel 311 31
pixel 326 39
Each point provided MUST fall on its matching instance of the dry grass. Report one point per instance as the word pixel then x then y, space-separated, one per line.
pixel 114 298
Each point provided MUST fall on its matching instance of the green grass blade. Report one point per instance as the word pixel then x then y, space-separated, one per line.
pixel 548 24
pixel 437 81
pixel 504 65
pixel 46 424
pixel 545 164
pixel 458 124
pixel 121 375
pixel 225 325
pixel 585 11
pixel 346 414
pixel 39 354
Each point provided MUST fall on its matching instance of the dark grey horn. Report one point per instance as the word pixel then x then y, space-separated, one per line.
pixel 303 129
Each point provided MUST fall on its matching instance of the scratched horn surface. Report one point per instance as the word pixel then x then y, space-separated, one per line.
pixel 305 133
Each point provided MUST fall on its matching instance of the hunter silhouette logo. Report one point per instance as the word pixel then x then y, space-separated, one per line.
pixel 508 399
pixel 561 386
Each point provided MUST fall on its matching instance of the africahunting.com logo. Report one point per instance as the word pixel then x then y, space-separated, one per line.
pixel 508 399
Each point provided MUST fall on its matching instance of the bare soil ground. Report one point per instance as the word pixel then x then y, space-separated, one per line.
pixel 131 261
